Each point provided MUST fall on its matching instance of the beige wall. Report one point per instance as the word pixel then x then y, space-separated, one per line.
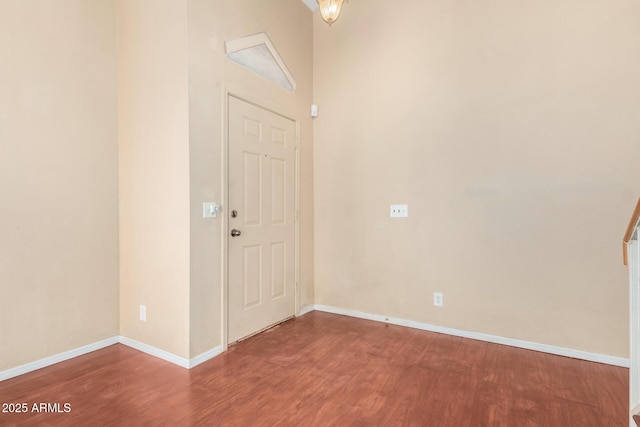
pixel 58 177
pixel 512 131
pixel 135 89
pixel 288 23
pixel 154 172
pixel 173 77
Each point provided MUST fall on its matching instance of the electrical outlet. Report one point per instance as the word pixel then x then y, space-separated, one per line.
pixel 399 211
pixel 143 313
pixel 437 299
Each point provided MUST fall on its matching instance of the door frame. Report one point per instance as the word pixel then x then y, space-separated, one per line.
pixel 239 94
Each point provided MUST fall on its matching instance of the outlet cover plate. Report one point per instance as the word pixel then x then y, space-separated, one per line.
pixel 437 299
pixel 399 211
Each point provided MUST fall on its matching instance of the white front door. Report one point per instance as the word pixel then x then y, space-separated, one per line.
pixel 261 218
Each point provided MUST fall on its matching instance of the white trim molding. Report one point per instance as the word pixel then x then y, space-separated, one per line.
pixel 170 357
pixel 528 345
pixel 137 345
pixel 210 354
pixel 206 356
pixel 155 351
pixel 57 358
pixel 306 309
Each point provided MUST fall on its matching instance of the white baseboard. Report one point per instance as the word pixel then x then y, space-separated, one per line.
pixel 145 348
pixel 57 358
pixel 170 357
pixel 210 354
pixel 207 355
pixel 305 310
pixel 155 351
pixel 559 351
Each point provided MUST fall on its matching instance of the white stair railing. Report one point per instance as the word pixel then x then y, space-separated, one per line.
pixel 631 250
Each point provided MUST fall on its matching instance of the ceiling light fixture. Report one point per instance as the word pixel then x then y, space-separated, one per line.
pixel 330 10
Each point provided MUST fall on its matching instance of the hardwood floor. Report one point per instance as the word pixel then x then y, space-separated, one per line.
pixel 324 369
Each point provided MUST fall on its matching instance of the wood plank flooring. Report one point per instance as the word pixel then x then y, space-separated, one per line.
pixel 323 369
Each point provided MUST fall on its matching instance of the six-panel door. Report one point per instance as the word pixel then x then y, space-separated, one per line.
pixel 261 197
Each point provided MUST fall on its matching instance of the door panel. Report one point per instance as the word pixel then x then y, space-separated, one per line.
pixel 278 191
pixel 261 192
pixel 278 269
pixel 252 194
pixel 252 264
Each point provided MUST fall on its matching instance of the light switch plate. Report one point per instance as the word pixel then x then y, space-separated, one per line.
pixel 210 210
pixel 399 211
